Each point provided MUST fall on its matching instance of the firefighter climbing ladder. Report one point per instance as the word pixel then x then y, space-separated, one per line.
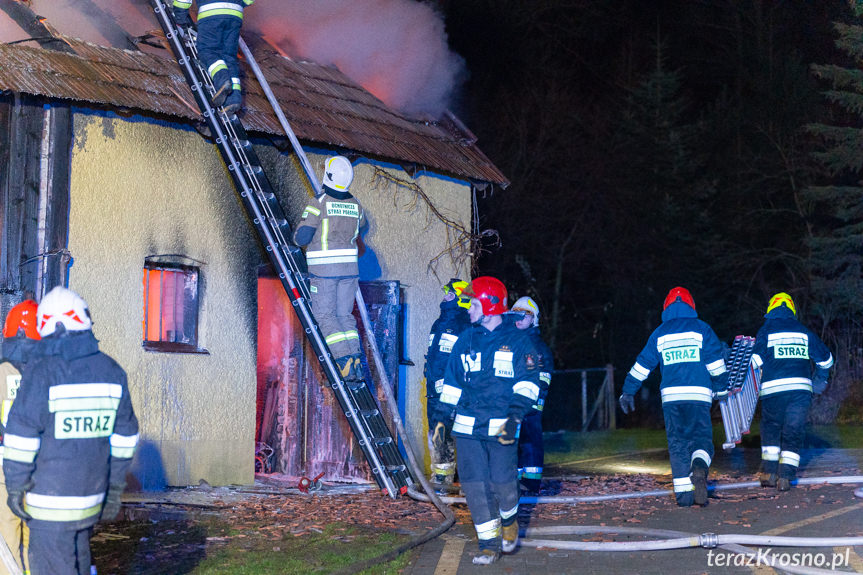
pixel 738 407
pixel 263 207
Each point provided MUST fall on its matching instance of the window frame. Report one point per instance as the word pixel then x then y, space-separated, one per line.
pixel 162 346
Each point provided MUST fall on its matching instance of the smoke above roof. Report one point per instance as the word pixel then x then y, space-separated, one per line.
pixel 395 49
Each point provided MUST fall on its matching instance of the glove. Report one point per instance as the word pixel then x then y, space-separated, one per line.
pixel 720 395
pixel 112 502
pixel 15 502
pixel 818 386
pixel 439 437
pixel 507 434
pixel 181 16
pixel 627 403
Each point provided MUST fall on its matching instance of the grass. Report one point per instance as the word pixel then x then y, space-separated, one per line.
pixel 336 547
pixel 566 447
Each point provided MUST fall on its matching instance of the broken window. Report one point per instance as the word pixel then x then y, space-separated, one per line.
pixel 171 307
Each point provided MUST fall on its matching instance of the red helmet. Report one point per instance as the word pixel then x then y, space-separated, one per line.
pixel 490 292
pixel 22 316
pixel 679 293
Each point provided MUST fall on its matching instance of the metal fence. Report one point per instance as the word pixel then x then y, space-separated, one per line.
pixel 581 400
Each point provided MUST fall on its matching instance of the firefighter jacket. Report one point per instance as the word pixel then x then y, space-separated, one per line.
pixel 545 364
pixel 689 356
pixel 329 227
pixel 490 376
pixel 784 348
pixel 207 8
pixel 444 333
pixel 71 433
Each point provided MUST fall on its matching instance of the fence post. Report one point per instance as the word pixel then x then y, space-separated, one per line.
pixel 612 408
pixel 584 421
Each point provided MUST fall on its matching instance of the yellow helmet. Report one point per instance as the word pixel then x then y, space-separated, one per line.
pixel 457 286
pixel 779 299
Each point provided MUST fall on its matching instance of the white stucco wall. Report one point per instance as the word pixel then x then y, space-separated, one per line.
pixel 141 188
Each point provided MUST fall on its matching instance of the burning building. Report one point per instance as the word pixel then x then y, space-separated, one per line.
pixel 111 186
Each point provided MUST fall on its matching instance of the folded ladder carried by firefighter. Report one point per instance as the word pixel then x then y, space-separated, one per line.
pixel 744 383
pixel 265 211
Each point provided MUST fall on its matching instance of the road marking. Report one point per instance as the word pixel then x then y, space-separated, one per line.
pixel 811 520
pixel 855 560
pixel 450 557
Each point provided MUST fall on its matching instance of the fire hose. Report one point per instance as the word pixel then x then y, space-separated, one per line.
pixel 674 539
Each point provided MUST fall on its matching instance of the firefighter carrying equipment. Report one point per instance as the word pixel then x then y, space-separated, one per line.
pixel 531 450
pixel 63 306
pixel 490 292
pixel 275 232
pixel 23 316
pixel 527 306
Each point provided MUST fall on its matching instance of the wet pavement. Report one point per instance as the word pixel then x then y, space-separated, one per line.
pixel 812 511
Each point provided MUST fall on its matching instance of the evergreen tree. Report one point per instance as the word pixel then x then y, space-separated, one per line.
pixel 836 259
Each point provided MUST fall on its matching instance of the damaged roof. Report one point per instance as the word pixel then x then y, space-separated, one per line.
pixel 321 104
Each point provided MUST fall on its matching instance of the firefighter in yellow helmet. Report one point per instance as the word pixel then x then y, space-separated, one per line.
pixel 444 333
pixel 785 350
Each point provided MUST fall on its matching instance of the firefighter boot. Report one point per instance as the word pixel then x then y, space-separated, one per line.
pixel 768 475
pixel 234 102
pixel 787 474
pixel 222 84
pixel 699 481
pixel 510 537
pixel 357 368
pixel 345 365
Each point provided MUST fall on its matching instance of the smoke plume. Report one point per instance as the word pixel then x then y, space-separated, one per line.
pixel 396 49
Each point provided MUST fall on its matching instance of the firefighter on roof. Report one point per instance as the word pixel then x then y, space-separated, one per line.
pixel 491 383
pixel 784 350
pixel 690 357
pixel 70 439
pixel 444 333
pixel 531 451
pixel 219 25
pixel 20 337
pixel 330 228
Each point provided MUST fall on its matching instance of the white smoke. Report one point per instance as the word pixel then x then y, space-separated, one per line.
pixel 395 49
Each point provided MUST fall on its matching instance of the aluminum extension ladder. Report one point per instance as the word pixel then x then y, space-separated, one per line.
pixel 274 230
pixel 744 383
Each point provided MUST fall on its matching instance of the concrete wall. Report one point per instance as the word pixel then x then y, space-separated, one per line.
pixel 141 188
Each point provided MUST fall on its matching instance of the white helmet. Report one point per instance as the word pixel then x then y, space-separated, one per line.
pixel 338 173
pixel 61 305
pixel 527 305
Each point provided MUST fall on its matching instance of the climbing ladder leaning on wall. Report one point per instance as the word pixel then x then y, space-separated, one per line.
pixel 262 205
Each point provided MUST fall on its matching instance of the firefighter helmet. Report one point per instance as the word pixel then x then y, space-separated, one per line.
pixel 22 317
pixel 490 292
pixel 61 305
pixel 338 173
pixel 780 299
pixel 457 286
pixel 527 306
pixel 679 294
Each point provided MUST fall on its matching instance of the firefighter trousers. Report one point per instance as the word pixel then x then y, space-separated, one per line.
pixel 783 429
pixel 60 552
pixel 531 451
pixel 690 443
pixel 488 475
pixel 333 306
pixel 218 43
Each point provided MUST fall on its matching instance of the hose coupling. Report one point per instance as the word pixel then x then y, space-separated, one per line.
pixel 709 540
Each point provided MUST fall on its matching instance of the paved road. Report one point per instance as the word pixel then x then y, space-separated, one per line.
pixel 812 511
